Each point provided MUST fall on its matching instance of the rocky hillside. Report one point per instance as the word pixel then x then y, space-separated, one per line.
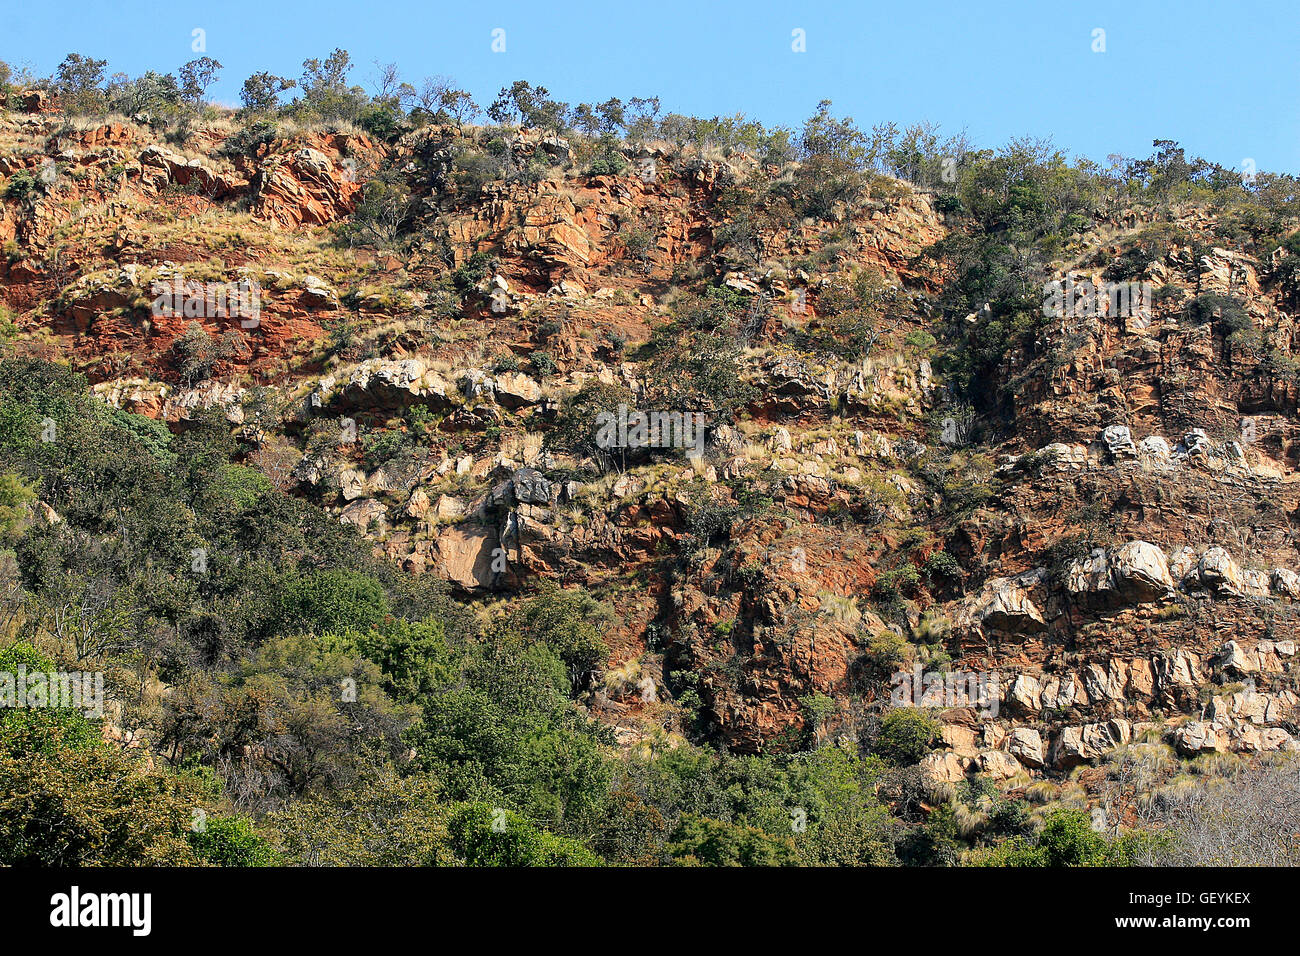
pixel 911 461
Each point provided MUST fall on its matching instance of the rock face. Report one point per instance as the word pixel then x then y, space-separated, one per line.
pixel 1005 604
pixel 526 487
pixel 465 555
pixel 1114 549
pixel 1136 573
pixel 162 167
pixel 302 189
pixel 1090 741
pixel 385 384
pixel 1119 442
pixel 1026 745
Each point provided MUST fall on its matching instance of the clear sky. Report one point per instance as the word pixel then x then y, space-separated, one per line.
pixel 1219 77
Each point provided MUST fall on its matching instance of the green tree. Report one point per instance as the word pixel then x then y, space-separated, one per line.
pixel 386 819
pixel 196 76
pixel 701 841
pixel 15 496
pixel 1066 839
pixel 79 80
pixel 260 93
pixel 67 799
pixel 325 601
pixel 231 841
pixel 483 835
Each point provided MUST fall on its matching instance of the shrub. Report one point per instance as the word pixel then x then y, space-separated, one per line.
pixel 543 363
pixel 906 735
pixel 474 270
pixel 383 446
pixel 702 841
pixel 246 141
pixel 483 835
pixel 941 567
pixel 231 841
pixel 197 354
pixel 1210 306
pixel 887 651
pixel 23 187
pixel 607 166
pixel 1067 839
pixel 327 601
pixel 381 214
pixel 901 580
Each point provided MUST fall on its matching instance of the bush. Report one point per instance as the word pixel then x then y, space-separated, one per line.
pixel 1067 839
pixel 15 496
pixel 23 186
pixel 701 841
pixel 474 270
pixel 611 166
pixel 231 841
pixel 941 567
pixel 906 735
pixel 383 446
pixel 331 601
pixel 1227 310
pixel 247 140
pixel 887 651
pixel 381 214
pixel 483 835
pixel 197 354
pixel 892 584
pixel 543 363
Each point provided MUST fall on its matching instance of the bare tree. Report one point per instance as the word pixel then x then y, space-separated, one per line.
pixel 1250 817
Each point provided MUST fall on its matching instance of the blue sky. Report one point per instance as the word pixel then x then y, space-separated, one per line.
pixel 1219 78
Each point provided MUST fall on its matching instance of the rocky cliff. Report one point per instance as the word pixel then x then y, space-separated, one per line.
pixel 1101 526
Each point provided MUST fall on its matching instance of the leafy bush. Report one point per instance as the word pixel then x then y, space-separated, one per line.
pixel 1229 312
pixel 383 446
pixel 246 140
pixel 331 601
pixel 700 841
pixel 607 166
pixel 906 735
pixel 1066 839
pixel 231 841
pixel 23 186
pixel 483 835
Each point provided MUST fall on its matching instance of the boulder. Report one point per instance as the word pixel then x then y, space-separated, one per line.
pixel 464 554
pixel 1156 451
pixel 943 767
pixel 1004 604
pixel 998 765
pixel 302 189
pixel 1199 736
pixel 527 486
pixel 1119 442
pixel 1218 572
pixel 515 390
pixel 1285 582
pixel 1196 444
pixel 1089 742
pixel 364 513
pixel 1026 745
pixel 1140 572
